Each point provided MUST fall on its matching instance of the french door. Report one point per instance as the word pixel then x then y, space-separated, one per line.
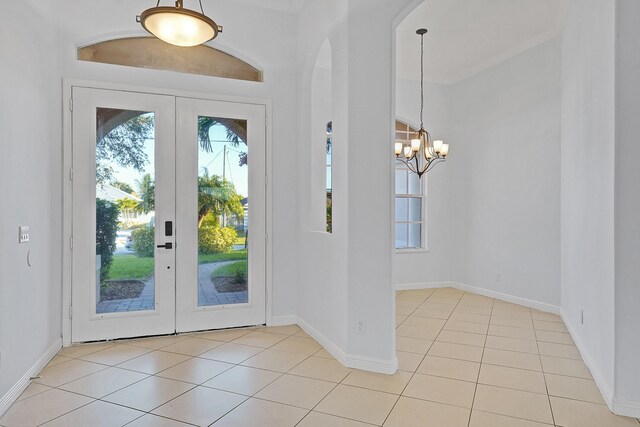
pixel 164 237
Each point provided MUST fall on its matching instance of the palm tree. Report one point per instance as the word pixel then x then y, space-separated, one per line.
pixel 236 133
pixel 146 189
pixel 217 196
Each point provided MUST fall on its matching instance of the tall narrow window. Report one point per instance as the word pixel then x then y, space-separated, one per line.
pixel 329 185
pixel 409 200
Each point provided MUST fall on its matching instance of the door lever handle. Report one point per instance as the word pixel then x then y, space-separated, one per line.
pixel 167 245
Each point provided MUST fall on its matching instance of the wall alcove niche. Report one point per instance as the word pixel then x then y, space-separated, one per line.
pixel 150 52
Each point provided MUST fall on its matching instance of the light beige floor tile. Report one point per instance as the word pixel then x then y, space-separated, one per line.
pixel 80 350
pixel 450 368
pixel 154 362
pixel 196 370
pixel 559 350
pixel 514 403
pixel 441 390
pixel 462 338
pixel 302 334
pixel 104 382
pixel 381 382
pixel 97 414
pixel 456 351
pixel 67 371
pixel 321 369
pixel 485 419
pixel 512 322
pixel 574 413
pixel 405 330
pixel 400 318
pixel 425 322
pixel 298 345
pixel 296 391
pixel 555 337
pixel 512 359
pixel 57 359
pixel 443 300
pixel 573 388
pixel 317 419
pixel 520 379
pixel 274 360
pixel 358 404
pixel 408 304
pixel 421 413
pixel 473 309
pixel 405 311
pixel 548 317
pixel 115 355
pixel 511 315
pixel 226 335
pixel 155 343
pixel 261 413
pixel 200 406
pixel 468 317
pixel 511 332
pixel 512 344
pixel 474 328
pixel 408 361
pixel 508 306
pixel 32 390
pixel 148 393
pixel 549 326
pixel 192 346
pixel 42 408
pixel 562 366
pixel 243 380
pixel 324 353
pixel 231 353
pixel 413 345
pixel 283 330
pixel 260 339
pixel 151 420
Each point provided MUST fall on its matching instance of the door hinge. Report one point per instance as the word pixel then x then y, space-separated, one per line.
pixel 70 104
pixel 70 174
pixel 71 242
pixel 70 311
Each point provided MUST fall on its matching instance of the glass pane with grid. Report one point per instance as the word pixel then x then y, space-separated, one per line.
pixel 409 199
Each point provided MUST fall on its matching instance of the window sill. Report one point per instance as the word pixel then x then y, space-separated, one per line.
pixel 412 251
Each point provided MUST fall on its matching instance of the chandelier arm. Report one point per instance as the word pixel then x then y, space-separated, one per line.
pixel 201 9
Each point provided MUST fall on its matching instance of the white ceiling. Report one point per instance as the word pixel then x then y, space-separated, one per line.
pixel 467 36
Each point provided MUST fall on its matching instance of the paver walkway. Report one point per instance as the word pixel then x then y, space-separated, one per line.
pixel 207 294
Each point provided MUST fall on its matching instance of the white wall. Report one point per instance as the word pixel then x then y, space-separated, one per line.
pixel 627 206
pixel 245 27
pixel 587 189
pixel 434 262
pixel 30 178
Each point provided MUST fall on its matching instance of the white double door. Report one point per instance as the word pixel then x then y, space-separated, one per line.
pixel 164 237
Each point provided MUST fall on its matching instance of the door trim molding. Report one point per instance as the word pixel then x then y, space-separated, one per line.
pixel 67 200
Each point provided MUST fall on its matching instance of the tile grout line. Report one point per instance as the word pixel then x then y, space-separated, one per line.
pixel 544 377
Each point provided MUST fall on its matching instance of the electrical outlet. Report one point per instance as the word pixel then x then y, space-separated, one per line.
pixel 497 277
pixel 23 234
pixel 361 327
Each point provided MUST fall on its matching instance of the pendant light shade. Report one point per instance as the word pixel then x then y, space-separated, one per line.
pixel 179 26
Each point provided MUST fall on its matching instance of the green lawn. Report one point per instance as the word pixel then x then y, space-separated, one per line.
pixel 231 269
pixel 135 267
pixel 131 267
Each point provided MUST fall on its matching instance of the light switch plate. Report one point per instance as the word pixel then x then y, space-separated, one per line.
pixel 23 234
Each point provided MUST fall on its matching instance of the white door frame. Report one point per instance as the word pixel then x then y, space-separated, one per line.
pixel 67 201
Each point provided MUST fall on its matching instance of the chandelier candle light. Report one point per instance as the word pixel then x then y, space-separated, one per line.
pixel 421 154
pixel 179 26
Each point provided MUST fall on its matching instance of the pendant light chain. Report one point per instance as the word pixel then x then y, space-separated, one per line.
pixel 421 81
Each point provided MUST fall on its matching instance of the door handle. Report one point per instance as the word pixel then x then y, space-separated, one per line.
pixel 167 245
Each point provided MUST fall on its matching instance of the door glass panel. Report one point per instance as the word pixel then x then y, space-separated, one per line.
pixel 125 211
pixel 223 204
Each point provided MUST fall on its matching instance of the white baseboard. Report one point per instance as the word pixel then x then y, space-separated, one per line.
pixel 626 408
pixel 17 389
pixel 424 285
pixel 349 360
pixel 290 319
pixel 549 308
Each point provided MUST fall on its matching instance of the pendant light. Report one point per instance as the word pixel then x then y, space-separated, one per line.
pixel 421 154
pixel 179 26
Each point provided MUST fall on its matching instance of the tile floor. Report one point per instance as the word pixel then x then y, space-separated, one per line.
pixel 465 360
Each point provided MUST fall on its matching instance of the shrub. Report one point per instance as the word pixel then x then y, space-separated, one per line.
pixel 106 231
pixel 143 241
pixel 214 240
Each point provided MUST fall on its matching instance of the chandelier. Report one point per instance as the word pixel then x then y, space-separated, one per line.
pixel 179 26
pixel 421 154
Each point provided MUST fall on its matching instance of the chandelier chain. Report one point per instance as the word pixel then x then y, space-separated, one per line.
pixel 421 81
